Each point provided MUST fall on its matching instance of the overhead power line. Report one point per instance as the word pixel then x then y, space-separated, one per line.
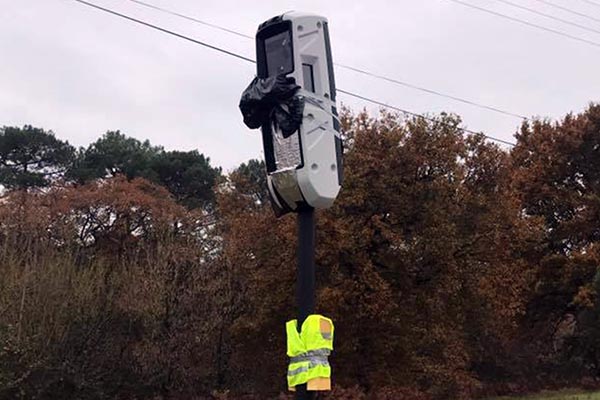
pixel 531 10
pixel 591 2
pixel 558 6
pixel 158 28
pixel 405 112
pixel 196 20
pixel 531 24
pixel 430 91
pixel 348 67
pixel 230 53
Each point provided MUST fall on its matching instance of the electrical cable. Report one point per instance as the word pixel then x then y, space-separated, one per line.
pixel 551 4
pixel 348 93
pixel 348 67
pixel 196 20
pixel 521 21
pixel 591 2
pixel 422 89
pixel 414 114
pixel 564 21
pixel 158 28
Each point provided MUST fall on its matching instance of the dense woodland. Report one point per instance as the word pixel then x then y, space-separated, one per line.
pixel 452 268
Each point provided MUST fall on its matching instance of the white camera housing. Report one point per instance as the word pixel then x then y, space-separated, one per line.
pixel 304 169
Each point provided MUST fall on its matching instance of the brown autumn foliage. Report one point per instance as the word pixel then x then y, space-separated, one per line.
pixel 556 169
pixel 452 269
pixel 422 262
pixel 103 293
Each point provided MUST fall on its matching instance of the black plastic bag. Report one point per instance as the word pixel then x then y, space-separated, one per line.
pixel 263 102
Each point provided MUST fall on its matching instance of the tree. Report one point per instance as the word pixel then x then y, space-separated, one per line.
pixel 414 260
pixel 32 157
pixel 105 293
pixel 251 178
pixel 556 172
pixel 113 154
pixel 188 175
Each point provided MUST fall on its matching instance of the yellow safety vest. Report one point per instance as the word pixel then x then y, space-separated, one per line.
pixel 308 350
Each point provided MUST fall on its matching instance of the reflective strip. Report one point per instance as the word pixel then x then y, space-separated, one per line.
pixel 315 358
pixel 314 362
pixel 318 361
pixel 311 354
pixel 298 371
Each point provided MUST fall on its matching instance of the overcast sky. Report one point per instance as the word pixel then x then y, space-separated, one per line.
pixel 80 72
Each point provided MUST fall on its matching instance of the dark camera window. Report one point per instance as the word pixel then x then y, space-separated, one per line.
pixel 279 54
pixel 308 77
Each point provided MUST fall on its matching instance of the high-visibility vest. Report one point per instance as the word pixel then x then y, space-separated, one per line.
pixel 309 349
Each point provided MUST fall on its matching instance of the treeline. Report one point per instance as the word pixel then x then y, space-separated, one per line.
pixel 453 269
pixel 33 158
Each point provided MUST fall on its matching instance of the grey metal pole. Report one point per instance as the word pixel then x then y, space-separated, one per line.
pixel 305 286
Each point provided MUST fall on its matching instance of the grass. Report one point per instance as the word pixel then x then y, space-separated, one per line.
pixel 564 395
